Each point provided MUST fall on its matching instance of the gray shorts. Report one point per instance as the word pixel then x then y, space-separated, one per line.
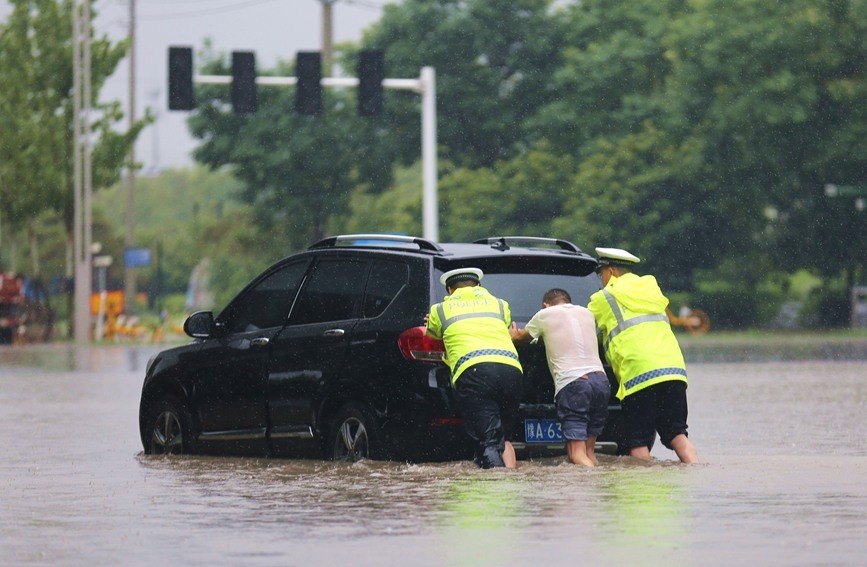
pixel 582 406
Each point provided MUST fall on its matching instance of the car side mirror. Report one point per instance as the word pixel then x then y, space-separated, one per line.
pixel 200 325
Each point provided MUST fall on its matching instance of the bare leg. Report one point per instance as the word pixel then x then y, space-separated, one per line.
pixel 642 453
pixel 509 457
pixel 591 449
pixel 685 450
pixel 577 451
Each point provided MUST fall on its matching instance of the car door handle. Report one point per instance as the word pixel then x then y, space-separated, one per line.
pixel 333 333
pixel 261 341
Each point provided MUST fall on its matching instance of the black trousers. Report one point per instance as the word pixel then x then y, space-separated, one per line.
pixel 488 395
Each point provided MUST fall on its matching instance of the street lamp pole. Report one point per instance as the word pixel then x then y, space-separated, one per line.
pixel 327 35
pixel 82 170
pixel 129 283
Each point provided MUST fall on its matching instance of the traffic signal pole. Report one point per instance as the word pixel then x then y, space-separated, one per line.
pixel 430 214
pixel 424 85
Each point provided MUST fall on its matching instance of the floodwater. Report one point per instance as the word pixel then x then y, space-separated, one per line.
pixel 783 482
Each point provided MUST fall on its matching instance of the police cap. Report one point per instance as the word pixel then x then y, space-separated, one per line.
pixel 616 257
pixel 450 278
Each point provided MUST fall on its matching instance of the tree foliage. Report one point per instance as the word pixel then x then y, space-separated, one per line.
pixel 36 113
pixel 697 133
pixel 181 235
pixel 494 62
pixel 520 196
pixel 750 107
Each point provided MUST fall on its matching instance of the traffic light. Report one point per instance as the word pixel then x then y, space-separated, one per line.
pixel 180 78
pixel 371 72
pixel 308 90
pixel 245 98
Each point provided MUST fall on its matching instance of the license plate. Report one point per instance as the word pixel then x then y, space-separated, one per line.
pixel 542 431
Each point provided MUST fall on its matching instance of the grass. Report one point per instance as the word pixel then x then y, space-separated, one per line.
pixel 760 345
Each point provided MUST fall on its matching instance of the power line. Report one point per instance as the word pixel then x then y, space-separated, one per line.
pixel 208 12
pixel 366 4
pixel 173 2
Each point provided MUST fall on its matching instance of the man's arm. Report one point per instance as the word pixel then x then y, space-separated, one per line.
pixel 519 336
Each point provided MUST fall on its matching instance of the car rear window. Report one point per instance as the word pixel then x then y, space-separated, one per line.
pixel 524 291
pixel 522 280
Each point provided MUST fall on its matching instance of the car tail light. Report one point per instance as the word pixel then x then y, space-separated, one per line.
pixel 416 345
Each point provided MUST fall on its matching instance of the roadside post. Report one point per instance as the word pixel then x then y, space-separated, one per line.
pixel 101 263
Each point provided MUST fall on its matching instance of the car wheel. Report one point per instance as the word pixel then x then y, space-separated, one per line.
pixel 170 431
pixel 353 435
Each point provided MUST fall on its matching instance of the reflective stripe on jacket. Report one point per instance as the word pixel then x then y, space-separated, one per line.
pixel 474 326
pixel 636 334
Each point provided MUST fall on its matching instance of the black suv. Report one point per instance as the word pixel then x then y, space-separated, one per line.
pixel 324 354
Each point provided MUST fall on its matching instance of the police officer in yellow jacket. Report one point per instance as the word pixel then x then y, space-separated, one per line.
pixel 639 344
pixel 486 374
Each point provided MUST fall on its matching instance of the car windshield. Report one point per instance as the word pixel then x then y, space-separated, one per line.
pixel 524 291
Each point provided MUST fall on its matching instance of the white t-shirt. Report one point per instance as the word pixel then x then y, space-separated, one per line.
pixel 569 332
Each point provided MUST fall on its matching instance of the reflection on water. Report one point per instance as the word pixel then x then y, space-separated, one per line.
pixel 479 518
pixel 733 511
pixel 782 483
pixel 649 506
pixel 67 357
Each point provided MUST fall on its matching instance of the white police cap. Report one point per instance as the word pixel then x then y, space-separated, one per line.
pixel 461 274
pixel 616 256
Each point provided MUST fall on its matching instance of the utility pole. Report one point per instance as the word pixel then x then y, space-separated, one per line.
pixel 82 169
pixel 129 283
pixel 155 138
pixel 327 35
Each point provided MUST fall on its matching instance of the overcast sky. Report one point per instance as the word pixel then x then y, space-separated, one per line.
pixel 272 29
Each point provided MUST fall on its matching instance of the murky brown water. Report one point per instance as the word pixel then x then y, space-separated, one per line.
pixel 784 482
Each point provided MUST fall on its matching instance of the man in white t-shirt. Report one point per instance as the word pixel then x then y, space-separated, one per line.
pixel 581 388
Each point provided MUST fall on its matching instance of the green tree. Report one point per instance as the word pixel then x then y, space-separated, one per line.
pixel 519 196
pixel 199 200
pixel 713 125
pixel 36 114
pixel 397 209
pixel 494 61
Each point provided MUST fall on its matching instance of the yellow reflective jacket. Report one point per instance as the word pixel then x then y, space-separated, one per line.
pixel 474 326
pixel 636 334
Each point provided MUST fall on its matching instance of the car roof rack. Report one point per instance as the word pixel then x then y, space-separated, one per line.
pixel 376 240
pixel 504 242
